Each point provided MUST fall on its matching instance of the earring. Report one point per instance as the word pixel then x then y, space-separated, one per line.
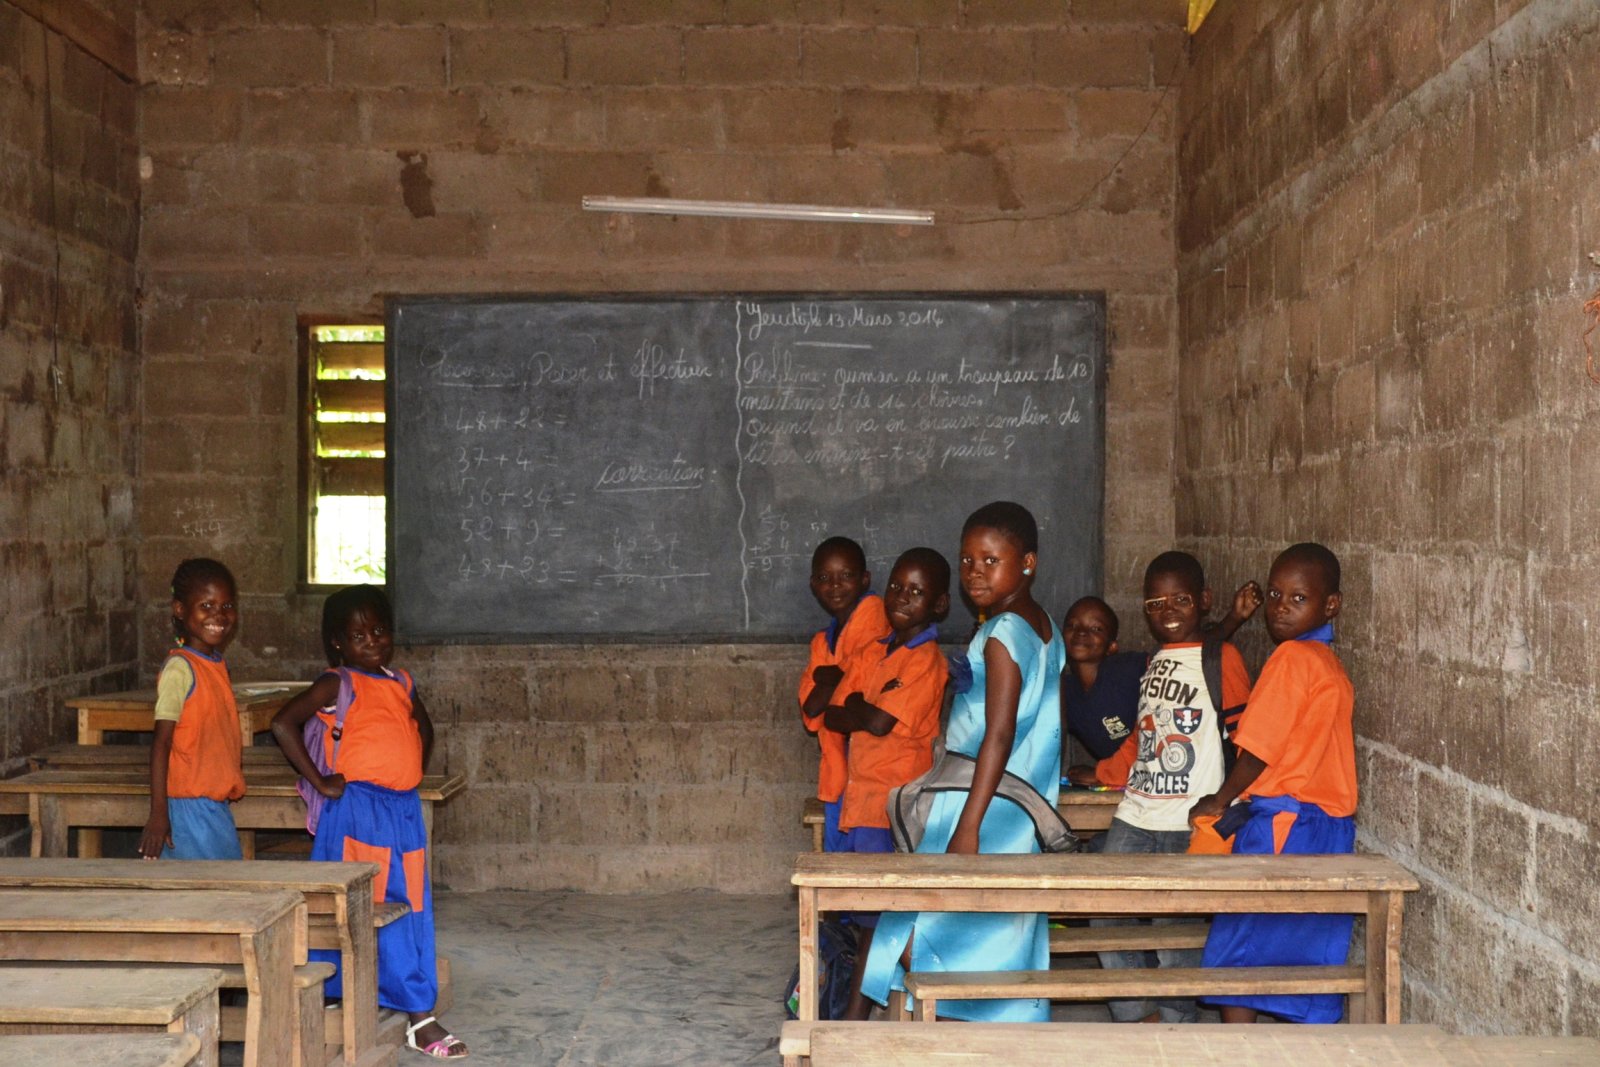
pixel 1027 570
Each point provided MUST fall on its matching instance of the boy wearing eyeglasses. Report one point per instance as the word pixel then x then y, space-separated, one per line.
pixel 1296 779
pixel 1174 755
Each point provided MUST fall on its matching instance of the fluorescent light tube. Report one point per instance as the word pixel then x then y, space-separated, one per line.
pixel 737 209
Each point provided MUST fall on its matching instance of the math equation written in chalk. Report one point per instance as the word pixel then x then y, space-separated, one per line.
pixel 665 466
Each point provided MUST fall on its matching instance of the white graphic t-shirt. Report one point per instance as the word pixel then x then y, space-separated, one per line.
pixel 1180 747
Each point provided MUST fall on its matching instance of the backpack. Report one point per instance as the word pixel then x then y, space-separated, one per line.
pixel 1211 667
pixel 836 959
pixel 910 804
pixel 321 735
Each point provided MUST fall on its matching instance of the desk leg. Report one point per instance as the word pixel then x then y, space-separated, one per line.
pixel 247 844
pixel 89 842
pixel 359 967
pixel 49 829
pixel 808 954
pixel 203 1021
pixel 427 835
pixel 1384 910
pixel 269 1029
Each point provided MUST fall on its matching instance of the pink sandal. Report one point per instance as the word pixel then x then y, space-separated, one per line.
pixel 442 1049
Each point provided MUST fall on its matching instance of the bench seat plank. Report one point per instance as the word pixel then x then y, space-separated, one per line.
pixel 884 1044
pixel 1068 939
pixel 102 1050
pixel 933 986
pixel 90 996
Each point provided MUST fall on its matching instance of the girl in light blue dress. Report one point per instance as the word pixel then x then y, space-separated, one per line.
pixel 1008 720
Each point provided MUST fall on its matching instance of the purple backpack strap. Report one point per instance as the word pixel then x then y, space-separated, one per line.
pixel 329 749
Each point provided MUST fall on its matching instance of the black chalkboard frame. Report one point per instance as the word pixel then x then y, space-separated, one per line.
pixel 413 636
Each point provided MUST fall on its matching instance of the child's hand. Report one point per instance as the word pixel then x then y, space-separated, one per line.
pixel 1082 776
pixel 828 674
pixel 963 843
pixel 332 786
pixel 1246 600
pixel 1207 806
pixel 157 834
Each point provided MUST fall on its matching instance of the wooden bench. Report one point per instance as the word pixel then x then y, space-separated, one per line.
pixel 337 900
pixel 109 999
pixel 1089 885
pixel 887 1044
pixel 103 1050
pixel 265 932
pixel 930 987
pixel 1085 810
pixel 57 800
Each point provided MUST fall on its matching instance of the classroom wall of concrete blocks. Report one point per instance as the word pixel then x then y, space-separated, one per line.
pixel 1345 245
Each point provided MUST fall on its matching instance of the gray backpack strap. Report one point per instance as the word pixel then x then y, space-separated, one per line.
pixel 911 804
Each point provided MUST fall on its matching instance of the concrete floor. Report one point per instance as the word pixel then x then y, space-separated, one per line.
pixel 568 979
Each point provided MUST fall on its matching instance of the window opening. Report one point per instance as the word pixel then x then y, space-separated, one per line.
pixel 348 508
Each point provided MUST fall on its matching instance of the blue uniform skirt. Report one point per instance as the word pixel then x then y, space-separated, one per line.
pixel 1286 940
pixel 372 824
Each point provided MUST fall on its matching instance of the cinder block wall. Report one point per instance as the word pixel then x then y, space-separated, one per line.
pixel 306 158
pixel 68 384
pixel 1386 212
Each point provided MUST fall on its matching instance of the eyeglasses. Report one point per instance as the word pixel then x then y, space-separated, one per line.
pixel 1180 601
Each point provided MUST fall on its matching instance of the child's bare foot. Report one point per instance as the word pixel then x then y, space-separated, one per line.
pixel 426 1036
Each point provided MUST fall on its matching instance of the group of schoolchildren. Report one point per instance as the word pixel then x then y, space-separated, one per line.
pixel 1207 763
pixel 375 750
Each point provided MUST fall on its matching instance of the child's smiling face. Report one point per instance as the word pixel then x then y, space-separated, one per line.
pixel 208 616
pixel 912 599
pixel 1090 632
pixel 838 578
pixel 365 642
pixel 1173 608
pixel 1297 600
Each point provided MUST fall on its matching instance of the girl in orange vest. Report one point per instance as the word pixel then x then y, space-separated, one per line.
pixel 195 769
pixel 373 813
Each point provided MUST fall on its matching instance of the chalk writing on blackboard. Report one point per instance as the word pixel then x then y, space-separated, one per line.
pixel 664 466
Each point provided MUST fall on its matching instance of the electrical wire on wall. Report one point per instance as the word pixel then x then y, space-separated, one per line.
pixel 56 376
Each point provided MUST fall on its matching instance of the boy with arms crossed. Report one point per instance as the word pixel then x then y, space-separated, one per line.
pixel 841 582
pixel 1297 774
pixel 888 706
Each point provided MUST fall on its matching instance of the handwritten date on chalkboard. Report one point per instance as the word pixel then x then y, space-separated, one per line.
pixel 661 467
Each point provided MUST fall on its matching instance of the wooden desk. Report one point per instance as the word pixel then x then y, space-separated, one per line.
pixel 57 800
pixel 1087 885
pixel 890 1044
pixel 111 998
pixel 263 932
pixel 134 711
pixel 103 1050
pixel 343 891
pixel 1085 810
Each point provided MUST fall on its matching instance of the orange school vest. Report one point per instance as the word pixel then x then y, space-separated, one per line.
pixel 909 685
pixel 867 623
pixel 206 743
pixel 381 743
pixel 1300 723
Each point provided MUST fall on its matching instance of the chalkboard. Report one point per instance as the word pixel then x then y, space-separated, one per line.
pixel 662 467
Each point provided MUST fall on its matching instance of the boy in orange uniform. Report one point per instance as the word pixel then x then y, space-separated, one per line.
pixel 1297 773
pixel 841 583
pixel 888 705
